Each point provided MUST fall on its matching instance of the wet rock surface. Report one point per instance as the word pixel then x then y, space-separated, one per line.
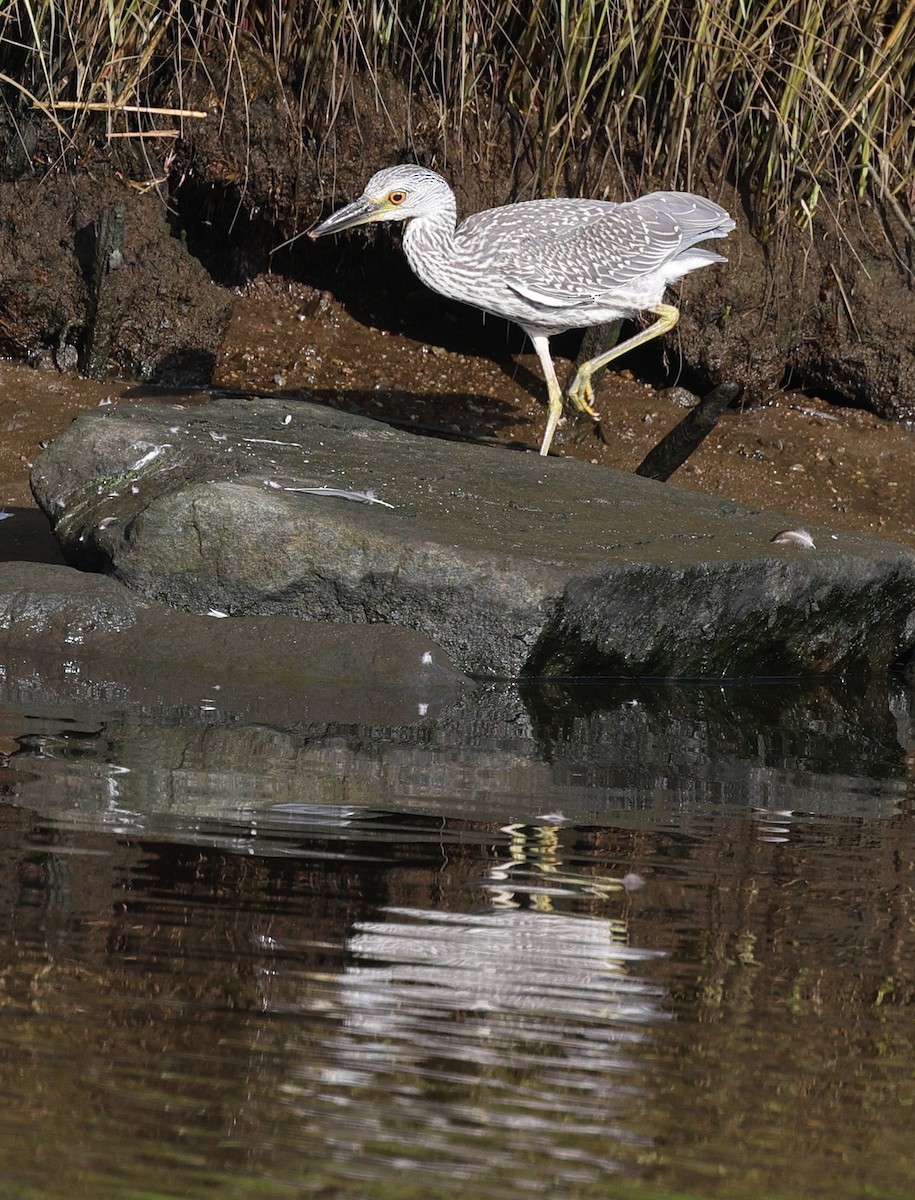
pixel 259 721
pixel 93 642
pixel 513 564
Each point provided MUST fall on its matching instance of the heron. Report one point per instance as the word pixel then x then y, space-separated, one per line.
pixel 548 265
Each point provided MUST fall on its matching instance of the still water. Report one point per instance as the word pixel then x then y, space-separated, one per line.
pixel 598 942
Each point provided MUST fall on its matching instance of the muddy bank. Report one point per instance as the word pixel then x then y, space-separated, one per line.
pixel 154 314
pixel 830 308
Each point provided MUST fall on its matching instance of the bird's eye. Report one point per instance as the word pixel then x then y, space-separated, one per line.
pixel 396 197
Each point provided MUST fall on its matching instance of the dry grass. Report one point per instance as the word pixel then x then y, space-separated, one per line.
pixel 789 98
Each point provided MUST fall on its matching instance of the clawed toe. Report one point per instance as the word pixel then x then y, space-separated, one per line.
pixel 581 396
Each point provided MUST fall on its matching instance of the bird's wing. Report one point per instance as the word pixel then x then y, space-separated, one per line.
pixel 567 260
pixel 500 231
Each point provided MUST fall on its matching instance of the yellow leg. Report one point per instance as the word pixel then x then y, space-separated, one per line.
pixel 580 393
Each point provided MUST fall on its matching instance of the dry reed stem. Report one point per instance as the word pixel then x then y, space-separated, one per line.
pixel 114 106
pixel 146 133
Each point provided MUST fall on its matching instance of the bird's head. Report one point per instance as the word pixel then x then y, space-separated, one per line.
pixel 394 194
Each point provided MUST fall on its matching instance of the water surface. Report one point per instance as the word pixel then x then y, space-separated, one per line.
pixel 629 942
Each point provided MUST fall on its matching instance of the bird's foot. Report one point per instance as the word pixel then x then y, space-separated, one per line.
pixel 581 396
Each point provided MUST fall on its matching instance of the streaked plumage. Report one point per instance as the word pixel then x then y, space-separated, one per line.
pixel 548 265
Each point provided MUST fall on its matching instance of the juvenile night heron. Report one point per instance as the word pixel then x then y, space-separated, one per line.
pixel 547 265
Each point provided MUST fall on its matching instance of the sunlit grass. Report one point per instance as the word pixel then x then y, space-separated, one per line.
pixel 791 99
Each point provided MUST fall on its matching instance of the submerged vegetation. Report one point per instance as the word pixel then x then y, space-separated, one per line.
pixel 791 99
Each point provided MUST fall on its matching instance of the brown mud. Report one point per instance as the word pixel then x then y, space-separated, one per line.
pixel 797 455
pixel 828 307
pixel 167 314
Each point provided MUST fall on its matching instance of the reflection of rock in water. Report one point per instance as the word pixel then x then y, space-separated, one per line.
pixel 676 754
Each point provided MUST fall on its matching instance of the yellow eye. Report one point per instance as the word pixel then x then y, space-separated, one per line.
pixel 396 197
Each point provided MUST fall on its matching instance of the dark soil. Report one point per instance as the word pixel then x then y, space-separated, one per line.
pixel 829 307
pixel 168 315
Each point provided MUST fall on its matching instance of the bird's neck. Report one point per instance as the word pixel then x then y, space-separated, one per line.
pixel 428 243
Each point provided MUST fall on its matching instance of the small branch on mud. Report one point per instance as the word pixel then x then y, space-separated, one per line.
pixel 675 447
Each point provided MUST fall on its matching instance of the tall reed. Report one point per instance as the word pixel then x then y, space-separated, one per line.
pixel 791 98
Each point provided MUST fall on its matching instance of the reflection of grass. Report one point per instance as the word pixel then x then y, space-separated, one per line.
pixel 788 96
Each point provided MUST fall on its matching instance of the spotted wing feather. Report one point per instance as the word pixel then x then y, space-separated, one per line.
pixel 562 252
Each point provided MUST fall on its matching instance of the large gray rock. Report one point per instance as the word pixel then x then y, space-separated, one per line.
pixel 514 564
